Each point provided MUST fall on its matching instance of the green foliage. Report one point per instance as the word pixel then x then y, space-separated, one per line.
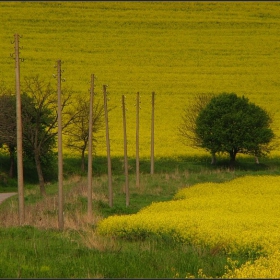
pixel 231 124
pixel 23 250
pixel 39 117
pixel 50 254
pixel 36 120
pixel 7 117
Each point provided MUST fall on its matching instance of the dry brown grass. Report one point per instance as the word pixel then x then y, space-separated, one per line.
pixel 43 213
pixel 93 241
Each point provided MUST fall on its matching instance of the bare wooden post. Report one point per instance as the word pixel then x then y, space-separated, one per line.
pixel 108 148
pixel 137 142
pixel 125 153
pixel 19 135
pixel 90 150
pixel 60 159
pixel 152 134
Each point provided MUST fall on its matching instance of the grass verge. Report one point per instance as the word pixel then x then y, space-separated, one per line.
pixel 39 250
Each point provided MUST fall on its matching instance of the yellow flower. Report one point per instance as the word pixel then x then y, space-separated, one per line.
pixel 237 216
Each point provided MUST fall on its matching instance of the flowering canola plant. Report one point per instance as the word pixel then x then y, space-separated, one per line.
pixel 264 267
pixel 183 48
pixel 242 215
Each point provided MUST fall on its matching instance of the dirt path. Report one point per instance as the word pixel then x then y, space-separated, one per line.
pixel 4 196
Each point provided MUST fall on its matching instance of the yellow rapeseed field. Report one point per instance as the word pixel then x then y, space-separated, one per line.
pixel 264 268
pixel 239 216
pixel 176 49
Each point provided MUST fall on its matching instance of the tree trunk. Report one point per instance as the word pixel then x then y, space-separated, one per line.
pixel 12 161
pixel 40 173
pixel 213 159
pixel 257 160
pixel 83 160
pixel 232 158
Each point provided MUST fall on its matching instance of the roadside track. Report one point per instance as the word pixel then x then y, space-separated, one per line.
pixel 4 196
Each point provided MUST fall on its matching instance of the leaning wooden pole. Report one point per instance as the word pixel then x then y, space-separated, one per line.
pixel 60 159
pixel 125 153
pixel 152 134
pixel 90 150
pixel 19 135
pixel 110 187
pixel 137 141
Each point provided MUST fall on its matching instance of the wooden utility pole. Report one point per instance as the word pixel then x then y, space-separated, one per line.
pixel 60 159
pixel 108 148
pixel 19 135
pixel 90 150
pixel 152 134
pixel 137 141
pixel 125 153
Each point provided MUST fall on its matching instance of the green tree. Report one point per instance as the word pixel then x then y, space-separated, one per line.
pixel 8 124
pixel 40 122
pixel 8 133
pixel 231 124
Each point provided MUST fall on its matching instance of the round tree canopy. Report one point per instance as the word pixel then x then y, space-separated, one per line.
pixel 232 124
